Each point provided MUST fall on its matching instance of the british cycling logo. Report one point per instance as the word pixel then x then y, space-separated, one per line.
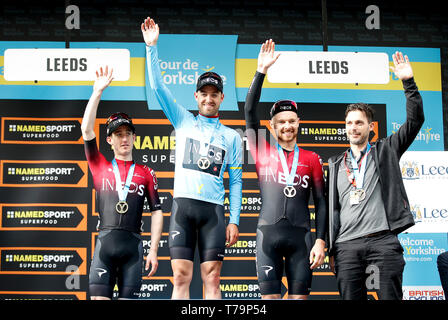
pixel 423 293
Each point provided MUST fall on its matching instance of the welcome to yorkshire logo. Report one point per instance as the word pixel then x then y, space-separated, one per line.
pixel 426 135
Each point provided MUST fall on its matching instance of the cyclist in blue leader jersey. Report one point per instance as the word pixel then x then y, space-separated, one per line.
pixel 205 149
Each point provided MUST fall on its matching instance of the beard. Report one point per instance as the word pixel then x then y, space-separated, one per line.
pixel 361 139
pixel 208 110
pixel 281 137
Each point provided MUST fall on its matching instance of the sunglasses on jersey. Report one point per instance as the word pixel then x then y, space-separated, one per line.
pixel 212 75
pixel 118 115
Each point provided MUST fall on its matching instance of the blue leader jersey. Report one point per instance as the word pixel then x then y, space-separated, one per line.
pixel 199 138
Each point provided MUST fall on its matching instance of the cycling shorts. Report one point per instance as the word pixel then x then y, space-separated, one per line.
pixel 197 221
pixel 118 259
pixel 278 241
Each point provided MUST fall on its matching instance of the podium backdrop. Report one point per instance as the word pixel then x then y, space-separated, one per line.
pixel 47 201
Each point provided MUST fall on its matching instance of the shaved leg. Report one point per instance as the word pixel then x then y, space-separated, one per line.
pixel 182 275
pixel 211 276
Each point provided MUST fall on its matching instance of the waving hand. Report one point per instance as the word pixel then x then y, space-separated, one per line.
pixel 267 56
pixel 150 31
pixel 402 68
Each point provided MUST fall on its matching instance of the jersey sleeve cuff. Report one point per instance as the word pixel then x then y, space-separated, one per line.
pixel 234 220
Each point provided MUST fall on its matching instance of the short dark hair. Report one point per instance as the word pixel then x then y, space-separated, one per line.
pixel 363 107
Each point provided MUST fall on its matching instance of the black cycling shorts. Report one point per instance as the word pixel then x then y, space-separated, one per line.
pixel 118 259
pixel 194 220
pixel 278 241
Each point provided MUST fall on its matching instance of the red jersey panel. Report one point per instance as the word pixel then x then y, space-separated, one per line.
pixel 309 176
pixel 143 185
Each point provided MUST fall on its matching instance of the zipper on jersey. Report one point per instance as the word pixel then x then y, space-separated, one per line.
pixel 121 215
pixel 284 207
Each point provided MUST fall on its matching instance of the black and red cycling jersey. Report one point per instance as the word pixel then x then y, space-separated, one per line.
pixel 309 176
pixel 143 185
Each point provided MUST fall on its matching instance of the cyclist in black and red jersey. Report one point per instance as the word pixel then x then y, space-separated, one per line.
pixel 287 175
pixel 121 186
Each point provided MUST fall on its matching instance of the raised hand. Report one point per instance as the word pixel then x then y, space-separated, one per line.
pixel 402 68
pixel 267 56
pixel 103 79
pixel 150 31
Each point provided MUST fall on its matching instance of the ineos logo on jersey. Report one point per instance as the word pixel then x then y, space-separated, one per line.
pixel 133 188
pixel 210 163
pixel 270 175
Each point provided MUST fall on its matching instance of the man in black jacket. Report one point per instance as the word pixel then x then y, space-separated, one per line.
pixel 368 205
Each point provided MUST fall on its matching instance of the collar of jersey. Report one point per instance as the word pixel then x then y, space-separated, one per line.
pixel 122 162
pixel 211 120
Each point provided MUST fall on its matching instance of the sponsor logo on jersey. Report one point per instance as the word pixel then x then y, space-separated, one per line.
pixel 174 234
pixel 267 269
pixel 194 161
pixel 100 271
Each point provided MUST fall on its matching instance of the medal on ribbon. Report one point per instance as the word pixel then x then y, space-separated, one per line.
pixel 357 177
pixel 204 162
pixel 289 191
pixel 122 206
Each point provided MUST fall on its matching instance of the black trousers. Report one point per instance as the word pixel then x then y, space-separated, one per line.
pixel 371 264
